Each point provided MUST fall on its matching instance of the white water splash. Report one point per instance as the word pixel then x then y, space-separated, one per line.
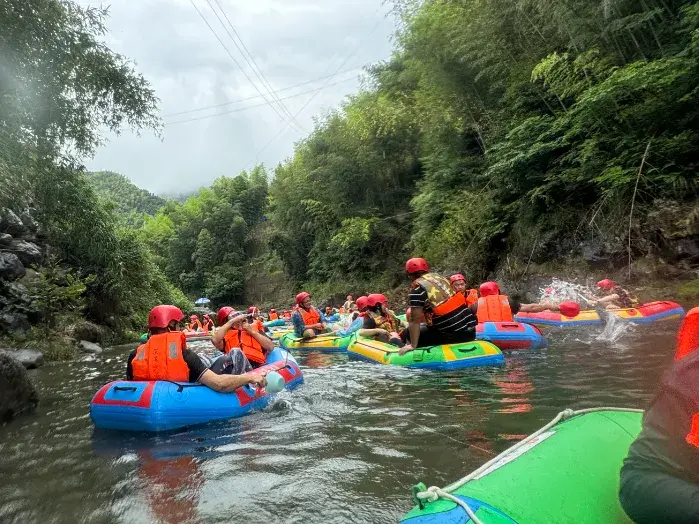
pixel 561 291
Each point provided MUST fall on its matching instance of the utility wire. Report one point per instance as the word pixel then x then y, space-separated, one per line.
pixel 231 102
pixel 237 63
pixel 253 65
pixel 204 117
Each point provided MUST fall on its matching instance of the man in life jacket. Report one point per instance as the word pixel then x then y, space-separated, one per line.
pixel 660 476
pixel 194 323
pixel 237 331
pixel 357 319
pixel 492 306
pixel 615 296
pixel 308 321
pixel 448 319
pixel 381 323
pixel 458 284
pixel 207 324
pixel 165 357
pixel 273 314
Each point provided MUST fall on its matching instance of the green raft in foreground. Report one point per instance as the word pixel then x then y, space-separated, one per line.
pixel 566 473
pixel 328 343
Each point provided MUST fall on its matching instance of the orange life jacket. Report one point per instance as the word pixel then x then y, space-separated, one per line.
pixel 259 326
pixel 310 317
pixel 208 325
pixel 494 308
pixel 196 325
pixel 161 358
pixel 441 298
pixel 471 297
pixel 273 316
pixel 235 338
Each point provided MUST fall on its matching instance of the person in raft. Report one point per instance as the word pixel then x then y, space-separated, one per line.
pixel 308 321
pixel 165 357
pixel 458 284
pixel 615 296
pixel 381 323
pixel 238 332
pixel 347 306
pixel 448 318
pixel 357 321
pixel 492 306
pixel 659 480
pixel 207 324
pixel 273 314
pixel 194 323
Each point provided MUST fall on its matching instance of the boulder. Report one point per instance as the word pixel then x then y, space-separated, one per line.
pixel 17 392
pixel 29 358
pixel 11 267
pixel 89 347
pixel 10 223
pixel 30 225
pixel 5 239
pixel 14 322
pixel 28 252
pixel 84 330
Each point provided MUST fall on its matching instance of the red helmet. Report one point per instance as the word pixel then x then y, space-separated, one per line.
pixel 272 310
pixel 376 298
pixel 302 296
pixel 362 303
pixel 252 310
pixel 489 288
pixel 605 284
pixel 223 313
pixel 456 278
pixel 416 265
pixel 569 309
pixel 161 316
pixel 349 297
pixel 193 316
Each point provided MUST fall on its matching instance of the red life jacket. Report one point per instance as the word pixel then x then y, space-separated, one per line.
pixel 161 358
pixel 235 338
pixel 273 316
pixel 494 308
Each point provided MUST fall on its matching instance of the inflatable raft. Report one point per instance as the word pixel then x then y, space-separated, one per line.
pixel 198 335
pixel 440 358
pixel 650 312
pixel 274 323
pixel 329 343
pixel 163 405
pixel 509 336
pixel 277 333
pixel 566 472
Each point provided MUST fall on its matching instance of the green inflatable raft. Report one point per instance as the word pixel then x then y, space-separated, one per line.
pixel 566 473
pixel 329 343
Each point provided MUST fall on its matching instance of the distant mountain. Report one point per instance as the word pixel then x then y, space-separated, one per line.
pixel 130 199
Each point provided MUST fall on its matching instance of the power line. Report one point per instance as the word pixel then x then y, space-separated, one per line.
pixel 238 64
pixel 231 102
pixel 283 129
pixel 261 76
pixel 258 105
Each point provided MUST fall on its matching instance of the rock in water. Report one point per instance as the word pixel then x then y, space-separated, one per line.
pixel 29 358
pixel 17 393
pixel 10 223
pixel 13 322
pixel 89 347
pixel 11 267
pixel 28 252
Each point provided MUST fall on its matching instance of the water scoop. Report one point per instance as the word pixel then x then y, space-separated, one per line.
pixel 275 382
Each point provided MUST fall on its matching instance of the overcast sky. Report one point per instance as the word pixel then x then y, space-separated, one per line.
pixel 292 41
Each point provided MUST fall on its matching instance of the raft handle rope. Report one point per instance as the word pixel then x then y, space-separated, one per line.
pixel 434 493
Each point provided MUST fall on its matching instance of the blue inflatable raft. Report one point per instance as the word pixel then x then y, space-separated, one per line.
pixel 162 405
pixel 511 336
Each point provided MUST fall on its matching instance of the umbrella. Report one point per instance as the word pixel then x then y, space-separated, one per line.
pixel 202 301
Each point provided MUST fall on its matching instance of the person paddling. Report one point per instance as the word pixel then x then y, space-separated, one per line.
pixel 659 481
pixel 448 318
pixel 165 357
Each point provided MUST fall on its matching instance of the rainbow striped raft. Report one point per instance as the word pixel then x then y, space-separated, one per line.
pixel 567 472
pixel 441 358
pixel 511 336
pixel 163 405
pixel 645 314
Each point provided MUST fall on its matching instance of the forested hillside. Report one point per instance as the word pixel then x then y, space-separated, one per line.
pixel 131 201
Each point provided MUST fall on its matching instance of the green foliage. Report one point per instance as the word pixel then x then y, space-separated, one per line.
pixel 58 291
pixel 131 201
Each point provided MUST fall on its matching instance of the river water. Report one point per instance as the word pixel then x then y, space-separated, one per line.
pixel 345 447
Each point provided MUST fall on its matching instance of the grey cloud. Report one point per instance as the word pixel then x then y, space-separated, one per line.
pixel 291 41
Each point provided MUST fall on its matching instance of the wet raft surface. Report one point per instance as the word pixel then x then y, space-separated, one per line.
pixel 343 448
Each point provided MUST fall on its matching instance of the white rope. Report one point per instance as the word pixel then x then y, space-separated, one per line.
pixel 433 493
